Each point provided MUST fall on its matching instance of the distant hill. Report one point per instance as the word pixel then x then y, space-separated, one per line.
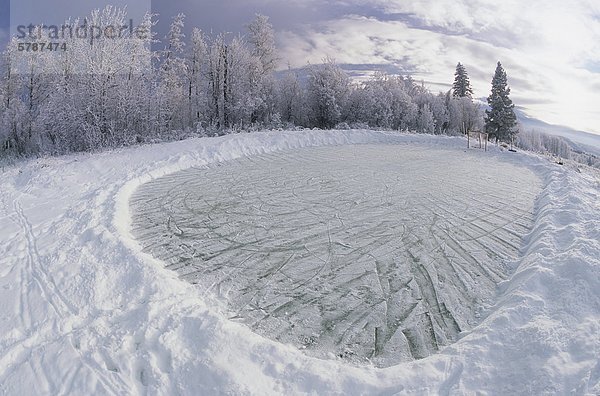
pixel 581 141
pixel 578 140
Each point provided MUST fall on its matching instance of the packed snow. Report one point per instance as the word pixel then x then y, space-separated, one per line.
pixel 373 253
pixel 86 311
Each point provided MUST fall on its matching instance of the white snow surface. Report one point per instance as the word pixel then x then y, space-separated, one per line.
pixel 85 311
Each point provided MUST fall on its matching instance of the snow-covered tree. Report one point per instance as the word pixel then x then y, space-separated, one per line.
pixel 245 100
pixel 425 122
pixel 500 119
pixel 172 89
pixel 464 115
pixel 136 93
pixel 36 90
pixel 101 90
pixel 3 107
pixel 262 39
pixel 292 99
pixel 234 83
pixel 543 143
pixel 372 102
pixel 440 113
pixel 11 107
pixel 196 71
pixel 328 91
pixel 384 101
pixel 462 86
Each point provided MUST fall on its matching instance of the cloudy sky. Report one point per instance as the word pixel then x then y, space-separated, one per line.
pixel 549 48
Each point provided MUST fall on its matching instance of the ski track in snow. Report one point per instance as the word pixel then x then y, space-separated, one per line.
pixel 85 311
pixel 367 252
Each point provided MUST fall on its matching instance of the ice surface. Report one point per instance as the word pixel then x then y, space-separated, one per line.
pixel 380 253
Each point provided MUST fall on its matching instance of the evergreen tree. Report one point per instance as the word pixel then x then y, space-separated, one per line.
pixel 462 85
pixel 500 119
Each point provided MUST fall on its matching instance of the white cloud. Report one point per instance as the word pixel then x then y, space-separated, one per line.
pixel 545 47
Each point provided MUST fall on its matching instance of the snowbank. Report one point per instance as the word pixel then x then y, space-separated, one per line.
pixel 84 311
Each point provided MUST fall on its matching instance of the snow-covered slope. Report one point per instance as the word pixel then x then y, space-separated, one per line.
pixel 579 140
pixel 85 311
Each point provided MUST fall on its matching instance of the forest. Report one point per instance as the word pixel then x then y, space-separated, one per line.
pixel 91 94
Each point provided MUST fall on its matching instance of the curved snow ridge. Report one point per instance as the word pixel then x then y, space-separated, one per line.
pixel 545 326
pixel 84 313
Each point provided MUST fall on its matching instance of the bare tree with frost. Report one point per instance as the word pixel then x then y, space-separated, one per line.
pixel 328 91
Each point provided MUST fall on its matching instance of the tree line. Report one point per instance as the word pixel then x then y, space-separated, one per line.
pixel 118 92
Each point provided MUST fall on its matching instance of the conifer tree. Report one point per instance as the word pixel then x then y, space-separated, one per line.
pixel 462 85
pixel 500 119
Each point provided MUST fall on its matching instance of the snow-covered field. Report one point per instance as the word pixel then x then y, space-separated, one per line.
pixel 84 310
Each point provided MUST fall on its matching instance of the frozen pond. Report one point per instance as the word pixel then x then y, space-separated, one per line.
pixel 380 253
